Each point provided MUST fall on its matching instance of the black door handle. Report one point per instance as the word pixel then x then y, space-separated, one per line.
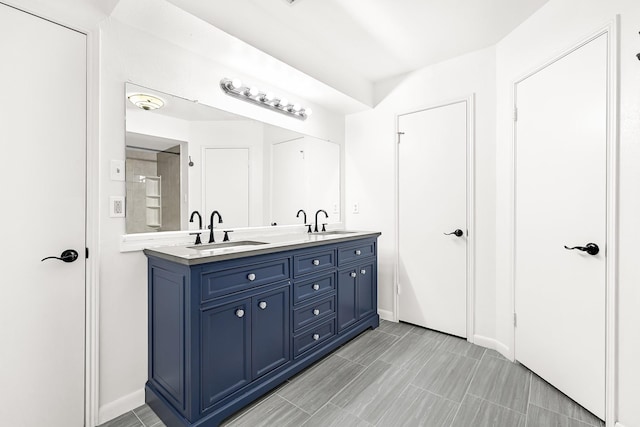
pixel 457 232
pixel 591 248
pixel 67 256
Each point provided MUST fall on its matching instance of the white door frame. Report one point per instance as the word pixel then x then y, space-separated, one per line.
pixel 471 197
pixel 611 240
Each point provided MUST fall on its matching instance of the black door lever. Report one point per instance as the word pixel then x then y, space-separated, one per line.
pixel 67 256
pixel 457 232
pixel 591 248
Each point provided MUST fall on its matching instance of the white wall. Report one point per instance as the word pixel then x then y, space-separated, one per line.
pixel 371 169
pixel 556 27
pixel 130 55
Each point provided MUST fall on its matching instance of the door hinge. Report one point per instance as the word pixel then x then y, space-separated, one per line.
pixel 515 114
pixel 515 320
pixel 399 133
pixel 86 253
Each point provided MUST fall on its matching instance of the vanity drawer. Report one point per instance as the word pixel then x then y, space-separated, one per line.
pixel 221 283
pixel 313 312
pixel 314 261
pixel 356 252
pixel 310 288
pixel 312 337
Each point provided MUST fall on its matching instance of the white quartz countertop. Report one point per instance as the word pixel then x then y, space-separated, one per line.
pixel 193 255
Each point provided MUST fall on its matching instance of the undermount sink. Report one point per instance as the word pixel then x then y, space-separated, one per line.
pixel 335 232
pixel 222 245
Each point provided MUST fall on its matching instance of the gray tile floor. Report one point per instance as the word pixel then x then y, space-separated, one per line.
pixel 403 375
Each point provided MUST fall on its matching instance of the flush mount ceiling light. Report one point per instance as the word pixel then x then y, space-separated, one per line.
pixel 145 101
pixel 235 88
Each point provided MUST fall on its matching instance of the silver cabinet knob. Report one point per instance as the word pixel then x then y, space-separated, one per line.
pixel 251 277
pixel 316 262
pixel 316 311
pixel 262 304
pixel 315 286
pixel 316 337
pixel 353 274
pixel 358 252
pixel 240 312
pixel 363 271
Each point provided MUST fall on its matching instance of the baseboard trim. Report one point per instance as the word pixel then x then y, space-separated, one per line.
pixel 485 342
pixel 619 424
pixel 118 407
pixel 504 350
pixel 386 315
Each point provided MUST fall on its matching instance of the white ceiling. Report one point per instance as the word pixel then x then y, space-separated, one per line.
pixel 361 42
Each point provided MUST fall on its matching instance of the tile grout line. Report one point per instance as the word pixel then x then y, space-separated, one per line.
pixel 139 419
pixel 466 392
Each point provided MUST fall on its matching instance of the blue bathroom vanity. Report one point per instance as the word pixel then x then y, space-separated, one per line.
pixel 228 324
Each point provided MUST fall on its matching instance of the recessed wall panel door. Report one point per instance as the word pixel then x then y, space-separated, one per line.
pixel 43 175
pixel 432 206
pixel 561 143
pixel 225 185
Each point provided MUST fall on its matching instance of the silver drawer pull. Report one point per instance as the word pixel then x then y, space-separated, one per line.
pixel 315 286
pixel 262 304
pixel 316 262
pixel 353 274
pixel 316 312
pixel 240 312
pixel 358 252
pixel 251 277
pixel 363 271
pixel 316 337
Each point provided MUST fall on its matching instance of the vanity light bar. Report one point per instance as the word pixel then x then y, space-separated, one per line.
pixel 264 99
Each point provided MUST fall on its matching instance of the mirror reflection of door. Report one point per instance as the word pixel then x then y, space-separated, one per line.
pixel 310 169
pixel 225 185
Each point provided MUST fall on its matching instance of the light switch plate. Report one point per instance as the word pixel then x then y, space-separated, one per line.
pixel 116 207
pixel 117 170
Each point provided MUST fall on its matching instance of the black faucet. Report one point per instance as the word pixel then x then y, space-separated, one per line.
pixel 198 241
pixel 211 239
pixel 326 216
pixel 303 213
pixel 305 219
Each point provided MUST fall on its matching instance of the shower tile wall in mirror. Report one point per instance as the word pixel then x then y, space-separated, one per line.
pixel 187 156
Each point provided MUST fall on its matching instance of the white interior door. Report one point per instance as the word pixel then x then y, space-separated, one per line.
pixel 225 185
pixel 561 200
pixel 289 189
pixel 43 138
pixel 433 201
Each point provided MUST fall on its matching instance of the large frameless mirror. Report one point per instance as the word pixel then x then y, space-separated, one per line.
pixel 186 156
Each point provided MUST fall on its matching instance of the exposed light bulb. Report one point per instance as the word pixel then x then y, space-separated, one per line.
pixel 236 83
pixel 269 96
pixel 308 111
pixel 296 107
pixel 283 102
pixel 253 91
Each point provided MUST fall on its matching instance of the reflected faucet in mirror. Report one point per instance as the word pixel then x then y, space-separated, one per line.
pixel 214 213
pixel 326 215
pixel 198 241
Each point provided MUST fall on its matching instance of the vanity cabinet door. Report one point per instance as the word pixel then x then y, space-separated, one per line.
pixel 367 303
pixel 270 330
pixel 347 298
pixel 226 350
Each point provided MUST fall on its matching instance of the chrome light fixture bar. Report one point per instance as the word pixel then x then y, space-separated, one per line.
pixel 234 87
